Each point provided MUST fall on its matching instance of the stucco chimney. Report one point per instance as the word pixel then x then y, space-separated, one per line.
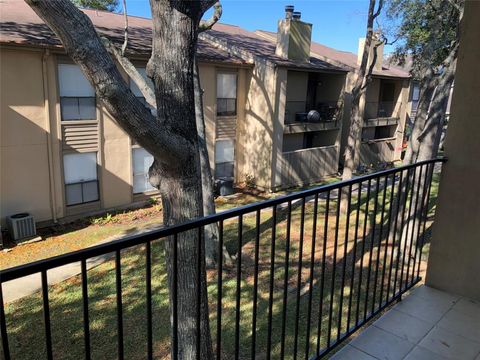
pixel 361 45
pixel 293 37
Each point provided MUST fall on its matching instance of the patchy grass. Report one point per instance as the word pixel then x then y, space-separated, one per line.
pixel 320 288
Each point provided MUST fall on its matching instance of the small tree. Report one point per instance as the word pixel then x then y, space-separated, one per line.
pixel 106 5
pixel 171 135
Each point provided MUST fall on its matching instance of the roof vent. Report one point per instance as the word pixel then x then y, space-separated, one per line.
pixel 289 12
pixel 297 15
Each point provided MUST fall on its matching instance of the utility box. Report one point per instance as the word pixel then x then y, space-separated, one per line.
pixel 21 226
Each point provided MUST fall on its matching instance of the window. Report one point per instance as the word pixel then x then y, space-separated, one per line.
pixel 415 96
pixel 224 158
pixel 81 183
pixel 77 97
pixel 142 161
pixel 226 94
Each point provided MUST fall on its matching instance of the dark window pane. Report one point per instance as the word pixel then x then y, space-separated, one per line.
pixel 90 191
pixel 87 109
pixel 73 194
pixel 78 108
pixel 224 170
pixel 226 107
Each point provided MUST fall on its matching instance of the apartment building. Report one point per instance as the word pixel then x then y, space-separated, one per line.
pixel 276 109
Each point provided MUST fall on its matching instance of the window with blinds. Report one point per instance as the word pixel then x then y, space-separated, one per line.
pixel 142 161
pixel 226 94
pixel 77 96
pixel 81 181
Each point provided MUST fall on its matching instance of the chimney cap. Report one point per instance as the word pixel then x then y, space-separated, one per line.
pixel 297 15
pixel 289 11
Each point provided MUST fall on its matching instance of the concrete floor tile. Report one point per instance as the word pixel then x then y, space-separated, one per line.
pixel 466 325
pixel 381 344
pixel 467 306
pixel 450 345
pixel 420 353
pixel 403 325
pixel 428 310
pixel 350 353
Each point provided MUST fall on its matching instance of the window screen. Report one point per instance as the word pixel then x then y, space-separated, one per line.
pixel 142 161
pixel 77 96
pixel 224 158
pixel 226 94
pixel 80 174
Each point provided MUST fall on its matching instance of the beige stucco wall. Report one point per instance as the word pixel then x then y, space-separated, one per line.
pixel 454 261
pixel 256 130
pixel 31 154
pixel 23 167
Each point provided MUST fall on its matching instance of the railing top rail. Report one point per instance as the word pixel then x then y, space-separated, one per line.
pixel 133 240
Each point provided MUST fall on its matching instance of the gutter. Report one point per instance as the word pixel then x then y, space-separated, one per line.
pixel 51 175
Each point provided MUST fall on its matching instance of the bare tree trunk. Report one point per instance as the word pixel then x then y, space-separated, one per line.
pixel 358 93
pixel 211 231
pixel 171 137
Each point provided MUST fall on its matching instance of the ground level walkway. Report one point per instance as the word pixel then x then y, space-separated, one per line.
pixel 427 325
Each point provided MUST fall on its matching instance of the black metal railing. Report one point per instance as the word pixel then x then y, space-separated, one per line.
pixel 308 270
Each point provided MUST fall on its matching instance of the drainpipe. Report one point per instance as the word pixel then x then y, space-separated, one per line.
pixel 51 175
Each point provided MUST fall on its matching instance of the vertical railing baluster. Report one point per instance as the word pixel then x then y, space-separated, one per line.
pixel 425 212
pixel 419 225
pixel 3 327
pixel 389 222
pixel 175 297
pixel 406 232
pixel 415 209
pixel 148 285
pixel 372 243
pixel 364 240
pixel 322 279
pixel 239 287
pixel 272 278
pixel 395 231
pixel 413 203
pixel 401 254
pixel 379 249
pixel 46 315
pixel 86 319
pixel 199 291
pixel 312 268
pixel 344 267
pixel 355 244
pixel 334 267
pixel 255 284
pixel 219 290
pixel 118 277
pixel 285 279
pixel 299 278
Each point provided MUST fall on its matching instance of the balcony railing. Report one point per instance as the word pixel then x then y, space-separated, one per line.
pixel 296 112
pixel 310 269
pixel 382 109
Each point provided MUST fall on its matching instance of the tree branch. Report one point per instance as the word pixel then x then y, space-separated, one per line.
pixel 131 71
pixel 379 9
pixel 125 17
pixel 217 14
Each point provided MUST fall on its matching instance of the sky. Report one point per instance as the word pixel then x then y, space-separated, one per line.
pixel 336 23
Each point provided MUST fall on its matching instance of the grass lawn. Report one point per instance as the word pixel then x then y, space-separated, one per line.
pixel 25 316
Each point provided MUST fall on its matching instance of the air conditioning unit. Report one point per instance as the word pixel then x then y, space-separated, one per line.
pixel 21 226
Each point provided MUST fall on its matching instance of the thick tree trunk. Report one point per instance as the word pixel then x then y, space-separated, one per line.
pixel 171 138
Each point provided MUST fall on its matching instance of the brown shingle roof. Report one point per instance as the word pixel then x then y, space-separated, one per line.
pixel 344 57
pixel 20 25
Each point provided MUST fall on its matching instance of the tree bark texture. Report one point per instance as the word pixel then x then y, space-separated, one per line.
pixel 171 137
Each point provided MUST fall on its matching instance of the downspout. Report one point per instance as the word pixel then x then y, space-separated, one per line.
pixel 53 203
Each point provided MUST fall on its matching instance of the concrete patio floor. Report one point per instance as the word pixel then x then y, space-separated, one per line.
pixel 427 324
